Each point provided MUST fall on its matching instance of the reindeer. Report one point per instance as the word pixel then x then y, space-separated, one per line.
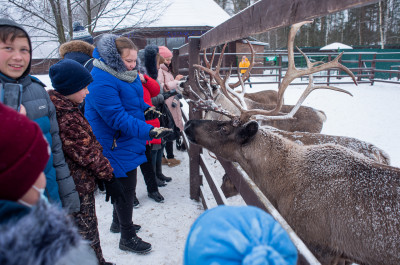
pixel 305 119
pixel 342 204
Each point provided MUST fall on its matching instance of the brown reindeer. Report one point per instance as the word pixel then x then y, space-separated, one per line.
pixel 342 204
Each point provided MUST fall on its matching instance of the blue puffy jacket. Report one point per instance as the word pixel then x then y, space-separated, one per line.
pixel 115 111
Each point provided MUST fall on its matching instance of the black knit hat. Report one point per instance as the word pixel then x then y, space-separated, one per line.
pixel 68 76
pixel 80 33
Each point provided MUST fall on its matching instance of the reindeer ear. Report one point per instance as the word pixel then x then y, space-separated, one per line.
pixel 247 131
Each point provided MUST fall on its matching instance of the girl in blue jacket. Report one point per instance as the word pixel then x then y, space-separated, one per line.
pixel 117 114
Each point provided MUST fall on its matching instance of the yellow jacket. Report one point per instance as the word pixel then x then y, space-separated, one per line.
pixel 244 64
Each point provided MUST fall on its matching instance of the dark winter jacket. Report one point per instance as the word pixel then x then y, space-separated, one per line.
pixel 82 151
pixel 115 109
pixel 79 51
pixel 39 108
pixel 41 235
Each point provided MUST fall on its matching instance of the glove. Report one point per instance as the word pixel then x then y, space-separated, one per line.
pixel 114 189
pixel 168 94
pixel 151 113
pixel 160 132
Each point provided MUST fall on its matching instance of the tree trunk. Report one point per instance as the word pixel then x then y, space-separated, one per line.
pixel 381 26
pixel 55 8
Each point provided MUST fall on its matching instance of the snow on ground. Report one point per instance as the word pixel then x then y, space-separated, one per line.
pixel 370 115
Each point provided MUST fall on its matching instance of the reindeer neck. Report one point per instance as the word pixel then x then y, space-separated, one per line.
pixel 276 151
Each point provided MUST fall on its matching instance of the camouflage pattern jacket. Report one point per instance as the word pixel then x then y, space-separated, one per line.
pixel 83 153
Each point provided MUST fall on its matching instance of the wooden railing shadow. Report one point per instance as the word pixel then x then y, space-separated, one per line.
pixel 260 17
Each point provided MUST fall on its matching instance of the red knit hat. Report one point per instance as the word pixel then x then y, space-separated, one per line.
pixel 164 52
pixel 24 153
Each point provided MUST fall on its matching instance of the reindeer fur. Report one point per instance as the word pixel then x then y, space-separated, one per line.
pixel 342 204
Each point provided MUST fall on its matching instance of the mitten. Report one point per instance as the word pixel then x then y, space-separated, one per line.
pixel 170 93
pixel 115 191
pixel 151 113
pixel 160 132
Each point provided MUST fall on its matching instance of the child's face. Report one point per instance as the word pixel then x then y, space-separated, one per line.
pixel 167 61
pixel 14 57
pixel 79 96
pixel 129 56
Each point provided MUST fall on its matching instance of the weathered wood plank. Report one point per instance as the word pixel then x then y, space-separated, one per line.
pixel 212 183
pixel 271 14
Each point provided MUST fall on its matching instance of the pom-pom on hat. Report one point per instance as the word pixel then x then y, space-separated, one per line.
pixel 24 153
pixel 234 235
pixel 164 52
pixel 68 76
pixel 80 33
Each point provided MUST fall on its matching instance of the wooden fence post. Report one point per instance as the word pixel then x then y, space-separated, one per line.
pixel 373 65
pixel 280 69
pixel 359 72
pixel 194 150
pixel 175 60
pixel 328 79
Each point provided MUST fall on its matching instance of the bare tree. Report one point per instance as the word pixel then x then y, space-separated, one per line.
pixel 50 20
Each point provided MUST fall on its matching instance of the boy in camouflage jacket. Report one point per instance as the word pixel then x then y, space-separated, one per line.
pixel 82 151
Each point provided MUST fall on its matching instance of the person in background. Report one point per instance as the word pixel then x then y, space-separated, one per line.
pixel 80 49
pixel 117 114
pixel 243 65
pixel 82 151
pixel 80 33
pixel 15 65
pixel 152 62
pixel 169 82
pixel 150 89
pixel 32 231
pixel 235 235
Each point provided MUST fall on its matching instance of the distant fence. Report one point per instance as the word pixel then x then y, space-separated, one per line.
pixel 368 67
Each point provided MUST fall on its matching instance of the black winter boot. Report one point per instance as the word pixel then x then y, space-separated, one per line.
pixel 165 178
pixel 134 244
pixel 156 196
pixel 160 183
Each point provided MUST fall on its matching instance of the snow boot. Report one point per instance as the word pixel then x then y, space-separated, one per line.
pixel 134 244
pixel 156 196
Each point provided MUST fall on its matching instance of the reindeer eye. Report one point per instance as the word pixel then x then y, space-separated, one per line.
pixel 224 130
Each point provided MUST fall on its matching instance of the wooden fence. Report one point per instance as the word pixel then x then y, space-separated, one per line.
pixel 262 16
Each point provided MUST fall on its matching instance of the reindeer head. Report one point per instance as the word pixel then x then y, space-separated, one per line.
pixel 220 137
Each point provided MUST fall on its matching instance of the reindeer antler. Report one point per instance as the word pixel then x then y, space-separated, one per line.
pixel 291 74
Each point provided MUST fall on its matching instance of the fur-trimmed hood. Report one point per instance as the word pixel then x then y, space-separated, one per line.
pixel 44 235
pixel 106 51
pixel 76 46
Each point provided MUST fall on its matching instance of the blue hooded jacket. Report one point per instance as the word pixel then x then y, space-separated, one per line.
pixel 115 110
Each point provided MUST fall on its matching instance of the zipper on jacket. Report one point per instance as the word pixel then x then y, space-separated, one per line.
pixel 117 134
